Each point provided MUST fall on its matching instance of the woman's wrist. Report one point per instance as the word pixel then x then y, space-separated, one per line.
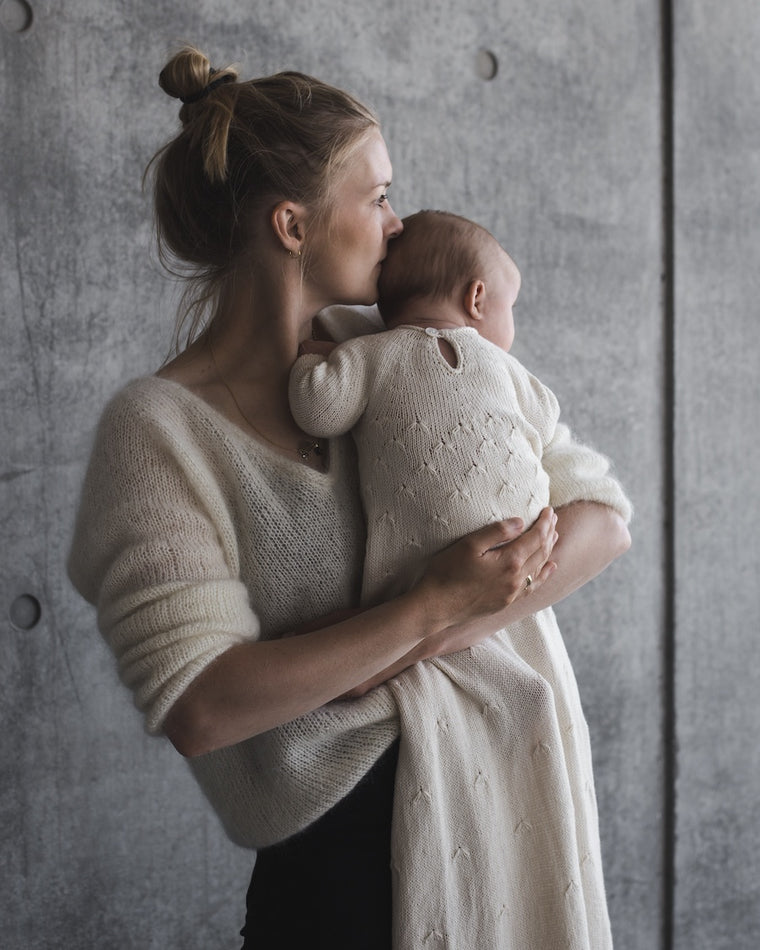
pixel 427 609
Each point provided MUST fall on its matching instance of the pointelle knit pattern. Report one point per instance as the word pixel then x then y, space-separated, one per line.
pixel 192 537
pixel 502 810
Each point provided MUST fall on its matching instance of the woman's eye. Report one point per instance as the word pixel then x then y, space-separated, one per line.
pixel 383 198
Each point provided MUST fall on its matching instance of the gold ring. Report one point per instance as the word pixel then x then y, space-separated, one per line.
pixel 528 581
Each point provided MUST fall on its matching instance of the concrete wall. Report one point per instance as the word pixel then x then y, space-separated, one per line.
pixel 615 153
pixel 717 498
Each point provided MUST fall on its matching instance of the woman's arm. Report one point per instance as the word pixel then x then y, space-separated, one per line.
pixel 591 537
pixel 256 686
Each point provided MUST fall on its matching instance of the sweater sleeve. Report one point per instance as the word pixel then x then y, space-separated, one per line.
pixel 154 549
pixel 576 471
pixel 579 473
pixel 328 396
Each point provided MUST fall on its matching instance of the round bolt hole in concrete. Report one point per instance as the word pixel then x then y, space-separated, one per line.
pixel 25 612
pixel 486 64
pixel 15 15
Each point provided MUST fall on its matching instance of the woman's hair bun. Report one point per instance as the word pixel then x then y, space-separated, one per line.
pixel 188 73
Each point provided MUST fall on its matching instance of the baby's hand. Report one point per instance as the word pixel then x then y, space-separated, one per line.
pixel 321 347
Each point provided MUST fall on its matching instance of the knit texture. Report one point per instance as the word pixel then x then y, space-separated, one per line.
pixel 443 450
pixel 192 537
pixel 495 788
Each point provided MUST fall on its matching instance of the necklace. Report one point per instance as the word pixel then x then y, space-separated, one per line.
pixel 305 449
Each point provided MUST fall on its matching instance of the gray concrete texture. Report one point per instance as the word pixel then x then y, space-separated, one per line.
pixel 106 840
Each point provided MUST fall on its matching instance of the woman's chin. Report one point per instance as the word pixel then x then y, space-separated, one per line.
pixel 366 299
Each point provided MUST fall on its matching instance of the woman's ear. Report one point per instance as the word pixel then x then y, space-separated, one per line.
pixel 288 220
pixel 474 297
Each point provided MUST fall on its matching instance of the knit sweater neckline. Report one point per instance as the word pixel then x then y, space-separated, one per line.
pixel 183 393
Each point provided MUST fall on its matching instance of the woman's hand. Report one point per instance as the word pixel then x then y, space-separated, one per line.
pixel 257 685
pixel 486 571
pixel 591 537
pixel 475 580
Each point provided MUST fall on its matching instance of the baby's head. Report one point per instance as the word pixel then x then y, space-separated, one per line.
pixel 443 259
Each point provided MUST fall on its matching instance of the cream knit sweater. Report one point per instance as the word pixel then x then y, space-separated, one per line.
pixel 192 537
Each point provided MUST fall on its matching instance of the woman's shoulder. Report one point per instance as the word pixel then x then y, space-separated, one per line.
pixel 156 416
pixel 157 398
pixel 147 390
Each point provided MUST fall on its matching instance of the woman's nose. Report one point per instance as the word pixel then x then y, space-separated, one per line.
pixel 396 225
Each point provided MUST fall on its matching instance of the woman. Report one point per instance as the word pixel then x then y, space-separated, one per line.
pixel 211 527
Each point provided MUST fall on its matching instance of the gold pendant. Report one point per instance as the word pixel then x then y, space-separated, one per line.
pixel 306 448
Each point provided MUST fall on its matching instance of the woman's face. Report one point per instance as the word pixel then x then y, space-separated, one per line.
pixel 346 252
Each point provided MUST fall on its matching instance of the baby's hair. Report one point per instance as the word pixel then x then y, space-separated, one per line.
pixel 243 147
pixel 437 254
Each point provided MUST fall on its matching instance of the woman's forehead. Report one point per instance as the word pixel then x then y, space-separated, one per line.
pixel 369 165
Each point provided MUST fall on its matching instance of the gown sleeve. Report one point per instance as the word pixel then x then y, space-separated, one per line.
pixel 328 396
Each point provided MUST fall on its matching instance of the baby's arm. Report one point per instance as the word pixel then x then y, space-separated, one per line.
pixel 327 396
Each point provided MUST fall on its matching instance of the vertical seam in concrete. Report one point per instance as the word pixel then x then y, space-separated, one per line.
pixel 669 544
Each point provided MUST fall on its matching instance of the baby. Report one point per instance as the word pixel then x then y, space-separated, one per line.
pixel 452 432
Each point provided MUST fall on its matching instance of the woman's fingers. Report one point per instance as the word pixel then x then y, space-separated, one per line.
pixel 496 535
pixel 534 581
pixel 537 541
pixel 487 570
pixel 538 565
pixel 529 564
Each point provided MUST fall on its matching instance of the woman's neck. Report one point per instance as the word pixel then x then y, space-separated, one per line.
pixel 259 323
pixel 241 364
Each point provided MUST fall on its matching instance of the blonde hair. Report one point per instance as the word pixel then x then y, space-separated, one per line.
pixel 243 147
pixel 436 255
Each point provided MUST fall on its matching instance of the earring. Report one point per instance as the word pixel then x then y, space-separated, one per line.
pixel 295 254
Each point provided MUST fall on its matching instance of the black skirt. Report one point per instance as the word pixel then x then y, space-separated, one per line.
pixel 330 885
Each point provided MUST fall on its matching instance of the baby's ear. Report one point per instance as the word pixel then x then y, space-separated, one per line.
pixel 474 296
